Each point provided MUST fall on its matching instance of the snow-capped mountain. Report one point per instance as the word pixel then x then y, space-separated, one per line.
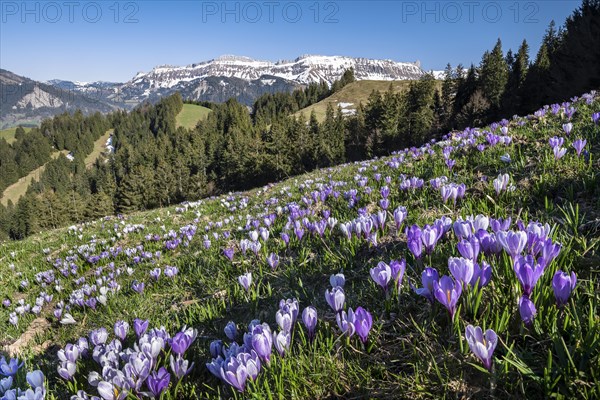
pixel 303 70
pixel 218 80
pixel 249 78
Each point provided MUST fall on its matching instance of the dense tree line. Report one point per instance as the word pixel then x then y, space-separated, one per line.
pixel 156 164
pixel 566 65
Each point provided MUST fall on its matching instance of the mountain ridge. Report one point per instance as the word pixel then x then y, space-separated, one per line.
pixel 216 80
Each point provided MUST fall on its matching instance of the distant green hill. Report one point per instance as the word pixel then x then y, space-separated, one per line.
pixel 351 95
pixel 191 114
pixel 9 134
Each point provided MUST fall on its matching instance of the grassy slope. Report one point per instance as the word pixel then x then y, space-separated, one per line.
pixel 413 351
pixel 99 148
pixel 355 93
pixel 9 134
pixel 19 188
pixel 191 114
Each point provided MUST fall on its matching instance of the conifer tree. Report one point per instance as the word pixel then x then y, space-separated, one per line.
pixel 493 76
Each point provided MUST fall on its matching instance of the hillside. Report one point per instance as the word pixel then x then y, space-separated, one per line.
pixel 19 188
pixel 9 134
pixel 399 256
pixel 189 116
pixel 351 95
pixel 100 148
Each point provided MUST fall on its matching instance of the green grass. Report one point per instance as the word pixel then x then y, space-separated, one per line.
pixel 9 134
pixel 355 93
pixel 16 190
pixel 414 350
pixel 191 114
pixel 99 148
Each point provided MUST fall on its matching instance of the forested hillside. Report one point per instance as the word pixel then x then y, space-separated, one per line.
pixel 155 163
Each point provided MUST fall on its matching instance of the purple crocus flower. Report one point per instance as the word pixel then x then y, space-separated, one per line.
pixel 579 144
pixel 35 379
pixel 568 127
pixel 480 222
pixel 231 330
pixel 428 277
pixel 262 341
pixel 158 381
pixel 335 298
pixel 563 285
pixel 110 391
pixel 385 192
pixel 181 342
pixel 216 348
pixel 469 248
pixel 310 318
pixel 69 353
pixel 596 117
pixel 381 274
pixel 284 319
pixel 549 252
pixel 234 373
pixel 282 341
pixel 155 273
pixel 482 344
pixel 179 366
pixel 429 236
pixel 121 328
pixel 462 229
pixel 138 286
pixel 447 292
pixel 273 260
pixel 400 214
pixel 500 224
pixel 99 336
pixel 398 268
pixel 252 363
pixel 414 241
pixel 346 322
pixel 285 237
pixel 527 310
pixel 228 252
pixel 513 242
pixel 462 269
pixel 569 111
pixel 528 272
pixel 363 322
pixel 482 273
pixel 501 183
pixel 67 370
pixel 556 141
pixel 337 280
pixel 9 368
pixel 384 204
pixel 559 152
pixel 245 280
pixel 140 326
pixel 446 192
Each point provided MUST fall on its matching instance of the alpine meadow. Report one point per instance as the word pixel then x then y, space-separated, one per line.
pixel 328 227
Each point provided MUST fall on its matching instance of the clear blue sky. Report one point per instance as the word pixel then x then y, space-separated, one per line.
pixel 113 40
